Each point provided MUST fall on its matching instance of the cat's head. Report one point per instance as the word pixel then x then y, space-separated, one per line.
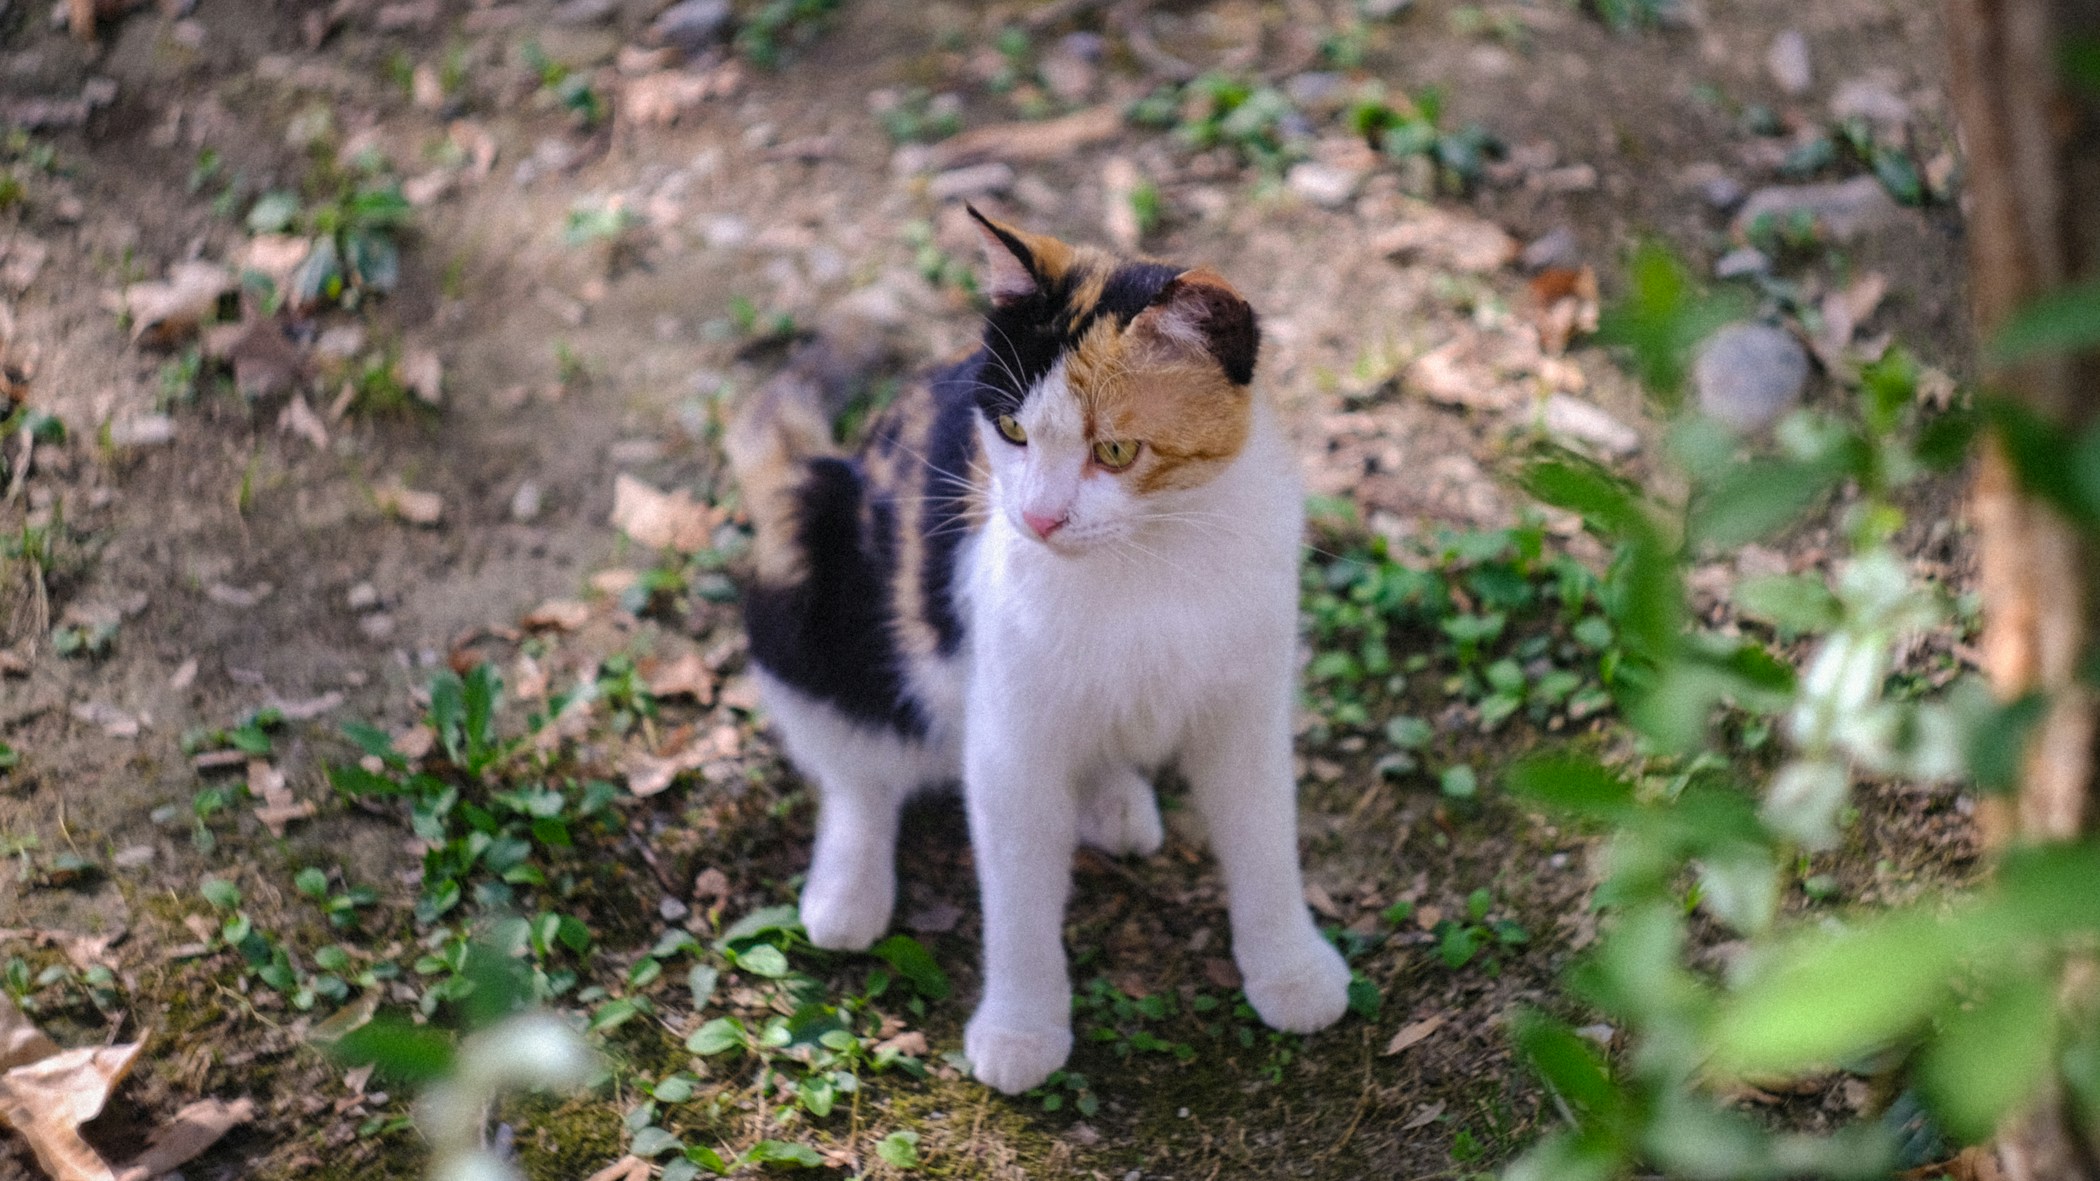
pixel 1115 387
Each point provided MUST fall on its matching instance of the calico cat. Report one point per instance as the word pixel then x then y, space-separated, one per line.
pixel 1054 569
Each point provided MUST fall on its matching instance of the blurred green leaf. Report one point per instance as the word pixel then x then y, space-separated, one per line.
pixel 1990 1057
pixel 899 1150
pixel 1756 499
pixel 1795 602
pixel 1828 997
pixel 398 1049
pixel 1662 318
pixel 1571 1068
pixel 1572 783
pixel 2064 321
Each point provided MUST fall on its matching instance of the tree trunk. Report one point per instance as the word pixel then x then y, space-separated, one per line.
pixel 2033 188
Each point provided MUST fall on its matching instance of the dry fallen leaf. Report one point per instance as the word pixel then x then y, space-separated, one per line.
pixel 1414 1033
pixel 21 1041
pixel 264 361
pixel 687 676
pixel 417 508
pixel 423 374
pixel 1440 237
pixel 627 1168
pixel 1453 375
pixel 663 97
pixel 165 312
pixel 559 614
pixel 47 1100
pixel 277 256
pixel 299 419
pixel 661 520
pixel 649 774
pixel 195 1128
pixel 278 807
pixel 1048 139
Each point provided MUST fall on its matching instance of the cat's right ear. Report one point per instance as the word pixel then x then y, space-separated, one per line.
pixel 1017 264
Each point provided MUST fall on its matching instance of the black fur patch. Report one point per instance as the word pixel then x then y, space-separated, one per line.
pixel 1133 287
pixel 829 634
pixel 951 452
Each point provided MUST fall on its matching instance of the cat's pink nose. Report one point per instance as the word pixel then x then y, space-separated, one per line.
pixel 1043 524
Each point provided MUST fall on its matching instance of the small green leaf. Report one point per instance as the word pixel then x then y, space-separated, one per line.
pixel 1459 782
pixel 760 922
pixel 899 1150
pixel 763 960
pixel 780 1152
pixel 652 1142
pixel 913 962
pixel 1365 998
pixel 701 981
pixel 722 1033
pixel 311 882
pixel 220 893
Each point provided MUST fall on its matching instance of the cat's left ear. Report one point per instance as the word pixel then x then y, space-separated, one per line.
pixel 1199 313
pixel 1018 264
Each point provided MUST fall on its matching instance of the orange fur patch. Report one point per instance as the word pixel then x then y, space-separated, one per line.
pixel 1145 384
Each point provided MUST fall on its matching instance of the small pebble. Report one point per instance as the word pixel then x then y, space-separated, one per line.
pixel 1557 247
pixel 363 597
pixel 1324 185
pixel 692 26
pixel 1749 375
pixel 525 502
pixel 1787 62
pixel 1742 262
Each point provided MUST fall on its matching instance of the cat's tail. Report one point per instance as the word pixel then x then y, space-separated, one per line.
pixel 786 422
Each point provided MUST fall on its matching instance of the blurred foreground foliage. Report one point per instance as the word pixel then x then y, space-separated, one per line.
pixel 1952 1001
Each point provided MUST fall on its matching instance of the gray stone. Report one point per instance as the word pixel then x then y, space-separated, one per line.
pixel 1787 62
pixel 693 25
pixel 1742 262
pixel 583 12
pixel 1721 192
pixel 1748 376
pixel 1557 247
pixel 1842 211
pixel 525 503
pixel 1324 185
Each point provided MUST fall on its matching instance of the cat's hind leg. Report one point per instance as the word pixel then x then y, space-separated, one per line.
pixel 1119 814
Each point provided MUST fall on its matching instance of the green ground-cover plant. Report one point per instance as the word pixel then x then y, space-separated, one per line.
pixel 353 218
pixel 1952 995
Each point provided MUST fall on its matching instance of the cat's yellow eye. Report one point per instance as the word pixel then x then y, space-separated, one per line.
pixel 1116 454
pixel 1011 427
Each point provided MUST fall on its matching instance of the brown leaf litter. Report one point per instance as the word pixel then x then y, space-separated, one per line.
pixel 662 520
pixel 278 807
pixel 47 1093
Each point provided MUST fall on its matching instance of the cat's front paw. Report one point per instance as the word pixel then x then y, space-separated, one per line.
pixel 1014 1057
pixel 1121 816
pixel 1305 992
pixel 840 917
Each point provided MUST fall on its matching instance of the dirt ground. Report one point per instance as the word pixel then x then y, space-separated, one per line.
pixel 594 292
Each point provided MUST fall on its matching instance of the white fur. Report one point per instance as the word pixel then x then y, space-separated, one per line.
pixel 1145 631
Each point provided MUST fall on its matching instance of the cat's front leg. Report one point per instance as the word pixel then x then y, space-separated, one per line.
pixel 1023 828
pixel 1239 772
pixel 852 884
